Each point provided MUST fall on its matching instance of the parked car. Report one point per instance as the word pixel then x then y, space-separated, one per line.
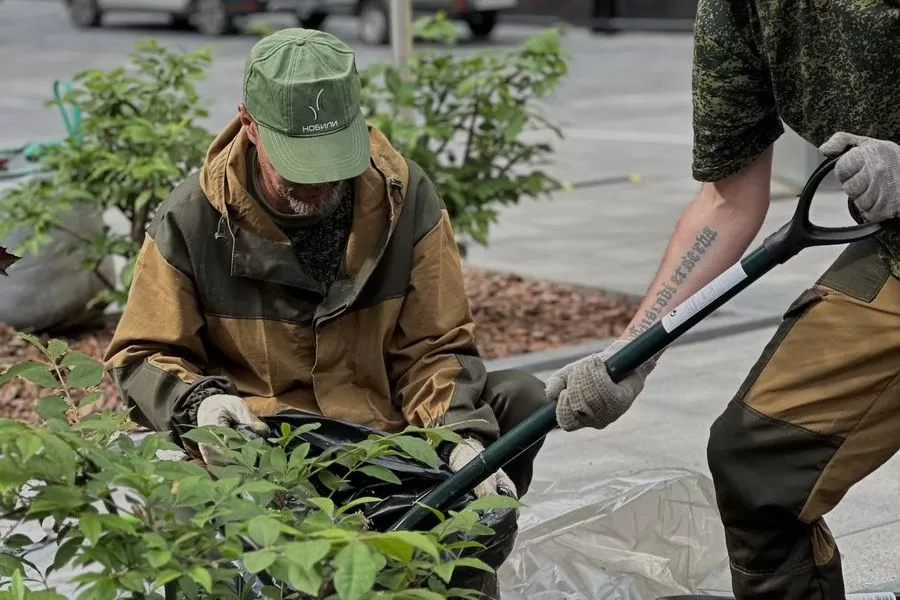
pixel 210 17
pixel 218 17
pixel 374 25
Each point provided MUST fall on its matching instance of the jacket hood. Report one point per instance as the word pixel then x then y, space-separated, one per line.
pixel 224 180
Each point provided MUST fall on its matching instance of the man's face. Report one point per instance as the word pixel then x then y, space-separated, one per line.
pixel 303 199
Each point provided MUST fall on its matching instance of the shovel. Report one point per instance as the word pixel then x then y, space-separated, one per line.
pixel 794 236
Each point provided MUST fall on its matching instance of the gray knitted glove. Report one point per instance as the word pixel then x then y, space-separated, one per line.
pixel 869 174
pixel 225 410
pixel 585 394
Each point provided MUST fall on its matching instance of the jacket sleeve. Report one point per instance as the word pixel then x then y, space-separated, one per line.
pixel 437 374
pixel 156 357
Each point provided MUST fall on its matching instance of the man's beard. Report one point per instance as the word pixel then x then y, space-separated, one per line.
pixel 323 205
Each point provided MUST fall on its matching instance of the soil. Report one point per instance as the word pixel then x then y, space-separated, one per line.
pixel 514 315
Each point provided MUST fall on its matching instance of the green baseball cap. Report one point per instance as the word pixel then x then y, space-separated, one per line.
pixel 302 88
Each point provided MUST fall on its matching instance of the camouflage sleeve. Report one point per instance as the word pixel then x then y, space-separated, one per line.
pixel 735 116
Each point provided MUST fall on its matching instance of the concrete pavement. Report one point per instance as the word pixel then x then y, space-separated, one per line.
pixel 667 428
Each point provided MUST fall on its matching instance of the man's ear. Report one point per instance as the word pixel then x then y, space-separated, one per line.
pixel 248 123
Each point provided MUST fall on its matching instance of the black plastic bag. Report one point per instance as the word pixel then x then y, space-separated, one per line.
pixel 416 480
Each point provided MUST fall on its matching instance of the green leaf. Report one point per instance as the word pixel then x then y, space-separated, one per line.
pixel 329 480
pixel 202 577
pixel 354 574
pixel 28 445
pixel 413 539
pixel 258 560
pixel 52 408
pixel 326 505
pixel 258 487
pixel 165 577
pixel 18 586
pixel 33 371
pixel 66 552
pixel 306 581
pixel 357 502
pixel 158 558
pixel 104 589
pixel 91 527
pixel 307 553
pixel 9 564
pixel 264 530
pixel 493 502
pixel 382 473
pixel 85 375
pixel 17 540
pixel 53 498
pixel 418 449
pixel 57 348
pixel 90 397
pixel 419 594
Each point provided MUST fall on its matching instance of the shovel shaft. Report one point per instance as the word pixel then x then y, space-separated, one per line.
pixel 641 349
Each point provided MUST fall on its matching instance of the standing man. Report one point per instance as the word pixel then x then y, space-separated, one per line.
pixel 820 410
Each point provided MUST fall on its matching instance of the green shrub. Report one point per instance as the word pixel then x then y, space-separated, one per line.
pixel 136 524
pixel 138 138
pixel 463 116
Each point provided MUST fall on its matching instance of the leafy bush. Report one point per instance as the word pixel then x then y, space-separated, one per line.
pixel 138 138
pixel 135 523
pixel 463 116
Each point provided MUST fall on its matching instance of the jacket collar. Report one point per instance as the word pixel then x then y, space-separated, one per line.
pixel 261 251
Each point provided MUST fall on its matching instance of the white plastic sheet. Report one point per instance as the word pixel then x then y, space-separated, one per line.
pixel 632 537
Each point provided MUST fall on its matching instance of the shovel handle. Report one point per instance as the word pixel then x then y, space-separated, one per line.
pixel 790 239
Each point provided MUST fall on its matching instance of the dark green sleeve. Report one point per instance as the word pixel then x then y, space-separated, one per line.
pixel 735 117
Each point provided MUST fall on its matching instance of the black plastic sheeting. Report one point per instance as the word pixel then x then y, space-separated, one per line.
pixel 416 480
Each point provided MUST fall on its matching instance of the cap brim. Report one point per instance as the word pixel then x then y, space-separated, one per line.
pixel 337 156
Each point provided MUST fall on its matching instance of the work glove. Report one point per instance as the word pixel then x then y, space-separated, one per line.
pixel 497 483
pixel 225 410
pixel 585 394
pixel 869 174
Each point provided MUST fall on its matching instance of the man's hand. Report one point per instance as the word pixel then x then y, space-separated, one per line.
pixel 497 483
pixel 225 410
pixel 585 394
pixel 869 174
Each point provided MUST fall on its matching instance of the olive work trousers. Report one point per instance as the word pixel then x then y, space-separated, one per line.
pixel 513 397
pixel 818 412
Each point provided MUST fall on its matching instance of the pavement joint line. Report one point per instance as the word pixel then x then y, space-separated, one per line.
pixel 867 529
pixel 555 358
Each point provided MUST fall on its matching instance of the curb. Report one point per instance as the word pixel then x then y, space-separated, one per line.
pixel 555 358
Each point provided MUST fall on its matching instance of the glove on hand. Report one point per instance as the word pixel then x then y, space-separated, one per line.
pixel 585 394
pixel 225 410
pixel 869 174
pixel 497 483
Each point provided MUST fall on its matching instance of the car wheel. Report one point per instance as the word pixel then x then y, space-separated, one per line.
pixel 481 24
pixel 374 22
pixel 211 18
pixel 85 13
pixel 313 20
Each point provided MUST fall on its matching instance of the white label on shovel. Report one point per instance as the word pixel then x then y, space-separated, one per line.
pixel 702 297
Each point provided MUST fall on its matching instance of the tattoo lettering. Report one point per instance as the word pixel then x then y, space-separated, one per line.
pixel 664 295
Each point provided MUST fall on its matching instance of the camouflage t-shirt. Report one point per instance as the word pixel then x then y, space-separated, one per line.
pixel 821 66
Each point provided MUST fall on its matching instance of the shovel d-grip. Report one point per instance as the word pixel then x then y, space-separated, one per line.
pixel 790 239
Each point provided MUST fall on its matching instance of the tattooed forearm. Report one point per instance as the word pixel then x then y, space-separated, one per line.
pixel 666 292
